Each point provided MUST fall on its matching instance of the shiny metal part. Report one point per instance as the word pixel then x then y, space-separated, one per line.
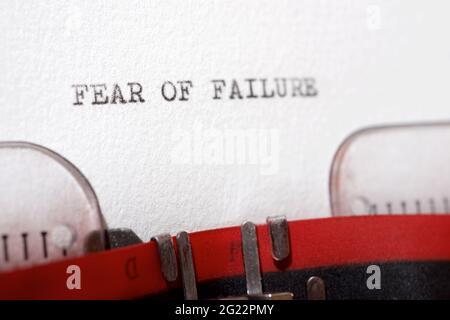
pixel 273 296
pixel 279 237
pixel 167 256
pixel 252 267
pixel 187 266
pixel 251 258
pixel 315 289
pixel 264 296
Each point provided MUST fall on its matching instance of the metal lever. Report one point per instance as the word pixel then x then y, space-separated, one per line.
pixel 315 289
pixel 251 259
pixel 252 266
pixel 187 266
pixel 279 237
pixel 167 256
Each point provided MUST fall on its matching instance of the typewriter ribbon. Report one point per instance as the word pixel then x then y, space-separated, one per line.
pixel 413 253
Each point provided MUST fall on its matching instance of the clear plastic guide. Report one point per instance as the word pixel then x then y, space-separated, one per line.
pixel 48 209
pixel 401 169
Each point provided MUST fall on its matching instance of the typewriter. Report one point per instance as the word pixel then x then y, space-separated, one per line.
pixel 227 150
